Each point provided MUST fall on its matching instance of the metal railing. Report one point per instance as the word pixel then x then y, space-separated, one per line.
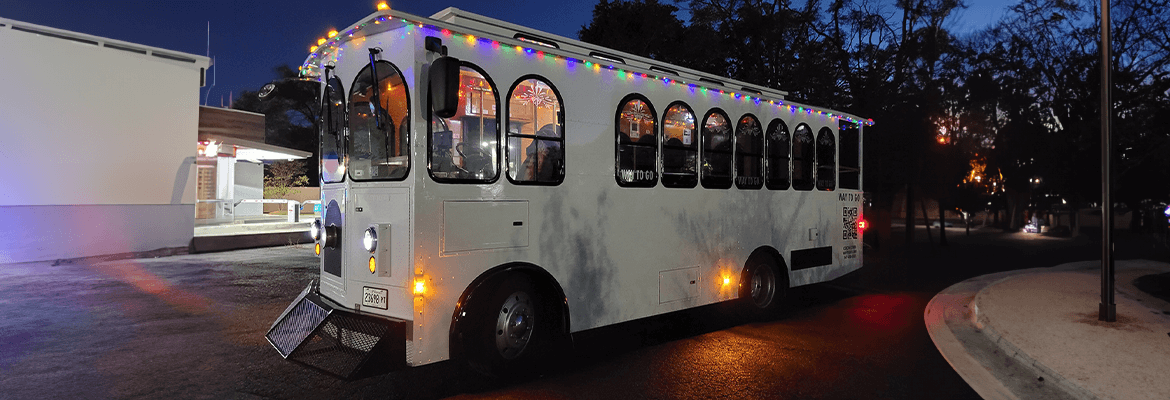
pixel 225 209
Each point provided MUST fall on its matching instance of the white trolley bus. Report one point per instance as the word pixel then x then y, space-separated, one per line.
pixel 489 189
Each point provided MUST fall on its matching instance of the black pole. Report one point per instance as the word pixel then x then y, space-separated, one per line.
pixel 1108 310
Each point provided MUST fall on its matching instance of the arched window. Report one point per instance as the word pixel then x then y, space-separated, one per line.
pixel 717 150
pixel 826 160
pixel 749 153
pixel 802 158
pixel 333 132
pixel 536 151
pixel 637 142
pixel 680 150
pixel 778 143
pixel 379 124
pixel 464 148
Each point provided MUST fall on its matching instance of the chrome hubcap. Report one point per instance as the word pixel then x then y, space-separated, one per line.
pixel 514 324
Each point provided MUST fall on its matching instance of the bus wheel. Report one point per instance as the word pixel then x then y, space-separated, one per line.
pixel 512 331
pixel 760 286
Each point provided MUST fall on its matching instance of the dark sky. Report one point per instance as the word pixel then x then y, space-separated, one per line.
pixel 250 37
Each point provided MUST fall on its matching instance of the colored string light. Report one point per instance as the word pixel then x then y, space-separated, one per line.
pixel 623 74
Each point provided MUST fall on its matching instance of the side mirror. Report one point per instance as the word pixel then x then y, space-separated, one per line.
pixel 444 86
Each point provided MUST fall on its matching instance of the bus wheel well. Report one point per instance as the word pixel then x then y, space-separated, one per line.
pixel 484 285
pixel 770 257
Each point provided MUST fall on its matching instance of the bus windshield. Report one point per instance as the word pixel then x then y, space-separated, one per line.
pixel 333 132
pixel 379 129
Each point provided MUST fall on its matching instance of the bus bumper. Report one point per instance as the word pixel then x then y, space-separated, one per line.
pixel 324 335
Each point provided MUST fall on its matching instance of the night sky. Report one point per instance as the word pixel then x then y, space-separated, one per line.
pixel 251 37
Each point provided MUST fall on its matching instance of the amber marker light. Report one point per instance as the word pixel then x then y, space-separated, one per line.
pixel 726 280
pixel 317 248
pixel 320 41
pixel 373 264
pixel 383 6
pixel 420 287
pixel 332 33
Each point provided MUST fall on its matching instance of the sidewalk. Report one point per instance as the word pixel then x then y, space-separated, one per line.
pixel 1035 334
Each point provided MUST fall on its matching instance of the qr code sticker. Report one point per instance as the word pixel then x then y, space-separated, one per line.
pixel 849 222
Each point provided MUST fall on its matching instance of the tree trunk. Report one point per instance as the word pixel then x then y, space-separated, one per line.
pixel 926 221
pixel 942 224
pixel 910 214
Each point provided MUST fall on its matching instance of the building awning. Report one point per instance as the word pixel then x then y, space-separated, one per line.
pixel 256 151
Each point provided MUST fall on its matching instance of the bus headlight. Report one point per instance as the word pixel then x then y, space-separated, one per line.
pixel 315 230
pixel 370 240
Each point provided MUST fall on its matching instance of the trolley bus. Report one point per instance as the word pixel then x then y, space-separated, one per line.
pixel 489 190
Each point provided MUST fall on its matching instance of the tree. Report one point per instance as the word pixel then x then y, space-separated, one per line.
pixel 291 114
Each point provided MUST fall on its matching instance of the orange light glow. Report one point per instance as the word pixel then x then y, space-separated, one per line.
pixel 317 249
pixel 332 33
pixel 320 41
pixel 312 48
pixel 420 287
pixel 861 224
pixel 726 280
pixel 373 264
pixel 383 6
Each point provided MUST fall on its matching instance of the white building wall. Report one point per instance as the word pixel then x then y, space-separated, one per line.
pixel 249 184
pixel 98 147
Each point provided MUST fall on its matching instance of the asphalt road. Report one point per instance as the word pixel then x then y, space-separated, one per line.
pixel 192 327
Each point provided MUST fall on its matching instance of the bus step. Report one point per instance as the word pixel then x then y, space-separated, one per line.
pixel 314 333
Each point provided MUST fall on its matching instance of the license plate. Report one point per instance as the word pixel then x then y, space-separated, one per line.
pixel 374 297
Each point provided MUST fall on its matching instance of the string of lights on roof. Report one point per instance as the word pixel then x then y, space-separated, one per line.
pixel 334 38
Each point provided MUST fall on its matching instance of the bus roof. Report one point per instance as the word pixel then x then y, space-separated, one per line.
pixel 455 21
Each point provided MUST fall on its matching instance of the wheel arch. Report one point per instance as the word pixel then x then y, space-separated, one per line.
pixel 765 253
pixel 482 285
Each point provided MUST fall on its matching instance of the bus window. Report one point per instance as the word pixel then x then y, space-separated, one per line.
pixel 850 155
pixel 826 160
pixel 749 157
pixel 637 143
pixel 777 144
pixel 379 145
pixel 333 132
pixel 716 150
pixel 802 158
pixel 464 148
pixel 680 150
pixel 536 152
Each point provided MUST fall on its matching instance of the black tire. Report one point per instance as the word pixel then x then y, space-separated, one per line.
pixel 763 289
pixel 514 327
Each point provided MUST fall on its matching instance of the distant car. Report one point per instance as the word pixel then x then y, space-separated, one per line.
pixel 949 224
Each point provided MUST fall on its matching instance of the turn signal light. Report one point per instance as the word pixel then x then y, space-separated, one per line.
pixel 373 263
pixel 317 248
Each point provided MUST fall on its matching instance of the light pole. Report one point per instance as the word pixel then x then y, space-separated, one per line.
pixel 1108 310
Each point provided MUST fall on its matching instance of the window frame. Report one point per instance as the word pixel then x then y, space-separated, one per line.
pixel 737 155
pixel 716 182
pixel 618 123
pixel 808 158
pixel 342 133
pixel 826 132
pixel 499 135
pixel 768 143
pixel 560 123
pixel 407 135
pixel 689 181
pixel 846 128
